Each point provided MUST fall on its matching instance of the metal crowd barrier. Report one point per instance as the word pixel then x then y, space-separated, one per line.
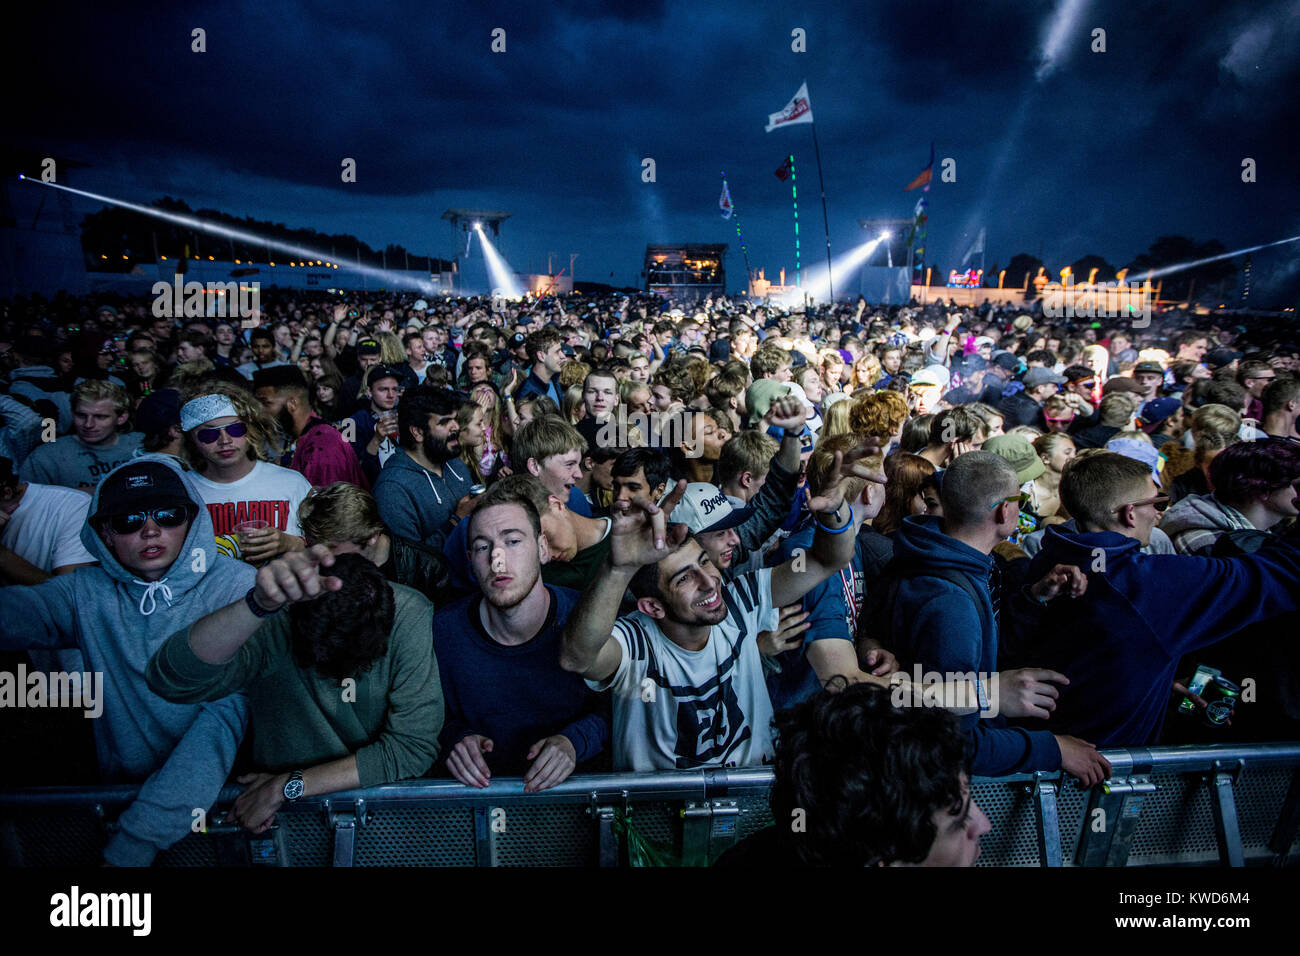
pixel 1230 805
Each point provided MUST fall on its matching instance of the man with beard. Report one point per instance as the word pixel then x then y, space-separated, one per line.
pixel 320 453
pixel 424 489
pixel 503 644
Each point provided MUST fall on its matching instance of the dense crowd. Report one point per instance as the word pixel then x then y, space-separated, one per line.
pixel 352 539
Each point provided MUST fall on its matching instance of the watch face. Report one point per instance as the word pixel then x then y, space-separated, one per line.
pixel 293 789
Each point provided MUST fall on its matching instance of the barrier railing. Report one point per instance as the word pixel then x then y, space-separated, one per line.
pixel 1232 805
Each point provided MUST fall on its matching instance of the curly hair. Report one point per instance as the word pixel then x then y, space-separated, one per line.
pixel 572 373
pixel 266 440
pixel 867 775
pixel 678 381
pixel 342 633
pixel 878 414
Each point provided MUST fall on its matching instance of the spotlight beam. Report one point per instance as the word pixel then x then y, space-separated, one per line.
pixel 843 267
pixel 389 277
pixel 499 271
pixel 1179 267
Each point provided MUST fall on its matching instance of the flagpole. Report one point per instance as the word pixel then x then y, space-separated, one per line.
pixel 794 197
pixel 830 284
pixel 744 251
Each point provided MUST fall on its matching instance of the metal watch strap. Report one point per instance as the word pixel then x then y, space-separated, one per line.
pixel 296 775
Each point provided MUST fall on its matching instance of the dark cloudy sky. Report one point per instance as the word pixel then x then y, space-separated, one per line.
pixel 1059 151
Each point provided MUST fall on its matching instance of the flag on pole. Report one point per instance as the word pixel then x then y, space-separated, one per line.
pixel 786 167
pixel 924 178
pixel 976 246
pixel 798 110
pixel 724 201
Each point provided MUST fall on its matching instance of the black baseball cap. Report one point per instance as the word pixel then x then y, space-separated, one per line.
pixel 143 484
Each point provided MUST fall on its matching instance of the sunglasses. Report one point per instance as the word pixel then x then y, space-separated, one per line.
pixel 163 517
pixel 210 436
pixel 1021 499
pixel 1159 502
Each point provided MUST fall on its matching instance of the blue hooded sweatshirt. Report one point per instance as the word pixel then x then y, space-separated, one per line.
pixel 1121 642
pixel 934 623
pixel 417 504
pixel 181 753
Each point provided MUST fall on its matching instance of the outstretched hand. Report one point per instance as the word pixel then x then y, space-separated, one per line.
pixel 846 467
pixel 641 533
pixel 295 577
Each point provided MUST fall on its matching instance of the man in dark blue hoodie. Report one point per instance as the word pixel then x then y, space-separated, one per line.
pixel 1120 646
pixel 943 603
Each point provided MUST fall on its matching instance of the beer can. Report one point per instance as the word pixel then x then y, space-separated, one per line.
pixel 1221 696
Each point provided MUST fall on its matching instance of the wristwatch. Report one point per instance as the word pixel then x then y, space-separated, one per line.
pixel 293 787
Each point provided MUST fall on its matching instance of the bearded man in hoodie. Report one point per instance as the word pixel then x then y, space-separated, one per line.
pixel 159 571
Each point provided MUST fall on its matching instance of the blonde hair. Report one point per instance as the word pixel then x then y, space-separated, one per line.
pixel 101 390
pixel 1214 427
pixel 866 371
pixel 836 418
pixel 822 464
pixel 339 512
pixel 391 350
pixel 573 372
pixel 572 399
pixel 265 439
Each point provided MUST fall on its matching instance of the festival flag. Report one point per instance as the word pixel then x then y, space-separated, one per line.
pixel 924 178
pixel 784 172
pixel 724 201
pixel 976 246
pixel 798 110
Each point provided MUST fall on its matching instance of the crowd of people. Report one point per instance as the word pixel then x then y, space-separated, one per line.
pixel 357 538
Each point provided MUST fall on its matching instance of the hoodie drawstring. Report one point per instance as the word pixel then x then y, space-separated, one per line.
pixel 432 485
pixel 149 589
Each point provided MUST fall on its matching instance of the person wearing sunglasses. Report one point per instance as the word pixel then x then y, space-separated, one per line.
pixel 159 571
pixel 238 487
pixel 1121 645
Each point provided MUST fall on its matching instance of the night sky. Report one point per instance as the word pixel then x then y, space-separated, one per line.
pixel 1059 151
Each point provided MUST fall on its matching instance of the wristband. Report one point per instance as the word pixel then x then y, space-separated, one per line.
pixel 1032 597
pixel 847 525
pixel 981 694
pixel 257 609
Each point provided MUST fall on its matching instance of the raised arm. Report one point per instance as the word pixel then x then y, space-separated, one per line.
pixel 640 535
pixel 837 528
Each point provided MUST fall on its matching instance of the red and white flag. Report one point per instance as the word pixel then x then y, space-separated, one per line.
pixel 798 110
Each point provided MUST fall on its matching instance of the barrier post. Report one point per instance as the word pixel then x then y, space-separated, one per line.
pixel 1047 819
pixel 1288 823
pixel 344 818
pixel 1222 801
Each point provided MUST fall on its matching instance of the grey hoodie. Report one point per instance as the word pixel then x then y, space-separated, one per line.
pixel 182 753
pixel 1197 521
